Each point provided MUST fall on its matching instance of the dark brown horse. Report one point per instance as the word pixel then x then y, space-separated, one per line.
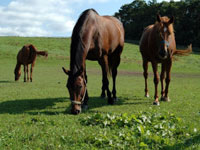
pixel 27 55
pixel 157 45
pixel 99 38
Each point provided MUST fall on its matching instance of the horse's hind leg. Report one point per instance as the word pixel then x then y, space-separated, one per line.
pixel 114 75
pixel 27 73
pixel 115 64
pixel 145 74
pixel 31 74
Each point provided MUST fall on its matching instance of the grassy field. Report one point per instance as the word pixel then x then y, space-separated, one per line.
pixel 37 115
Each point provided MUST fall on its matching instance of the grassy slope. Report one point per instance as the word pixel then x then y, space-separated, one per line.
pixel 36 115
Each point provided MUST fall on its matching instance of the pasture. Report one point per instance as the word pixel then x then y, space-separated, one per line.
pixel 37 115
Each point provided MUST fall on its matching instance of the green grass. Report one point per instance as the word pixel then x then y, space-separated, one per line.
pixel 37 115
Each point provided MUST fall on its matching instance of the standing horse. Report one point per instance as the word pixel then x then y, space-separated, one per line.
pixel 99 38
pixel 27 55
pixel 157 45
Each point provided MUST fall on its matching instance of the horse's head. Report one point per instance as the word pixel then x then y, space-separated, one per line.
pixel 164 32
pixel 76 85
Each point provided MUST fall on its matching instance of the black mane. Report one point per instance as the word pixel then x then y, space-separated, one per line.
pixel 77 46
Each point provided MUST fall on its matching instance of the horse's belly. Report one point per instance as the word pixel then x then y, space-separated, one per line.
pixel 93 55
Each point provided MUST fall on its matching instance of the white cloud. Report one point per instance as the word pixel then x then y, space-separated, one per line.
pixel 36 18
pixel 97 1
pixel 169 0
pixel 43 17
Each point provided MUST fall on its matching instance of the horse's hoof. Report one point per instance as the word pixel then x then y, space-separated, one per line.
pixel 156 103
pixel 165 99
pixel 103 96
pixel 111 101
pixel 147 95
pixel 115 99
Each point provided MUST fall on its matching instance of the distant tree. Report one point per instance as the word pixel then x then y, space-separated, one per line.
pixel 139 14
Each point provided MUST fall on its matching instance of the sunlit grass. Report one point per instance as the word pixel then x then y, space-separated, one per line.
pixel 37 115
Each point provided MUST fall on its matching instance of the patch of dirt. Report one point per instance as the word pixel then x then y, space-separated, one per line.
pixel 135 73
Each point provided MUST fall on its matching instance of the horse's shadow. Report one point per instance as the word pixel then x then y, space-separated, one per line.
pixel 97 102
pixel 30 106
pixel 6 81
pixel 48 106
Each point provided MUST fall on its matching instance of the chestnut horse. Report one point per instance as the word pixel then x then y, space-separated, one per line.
pixel 27 55
pixel 157 45
pixel 99 38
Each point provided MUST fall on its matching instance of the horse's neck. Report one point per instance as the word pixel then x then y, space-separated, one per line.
pixel 77 62
pixel 18 67
pixel 152 40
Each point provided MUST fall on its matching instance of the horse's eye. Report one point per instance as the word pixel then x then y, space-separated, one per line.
pixel 80 86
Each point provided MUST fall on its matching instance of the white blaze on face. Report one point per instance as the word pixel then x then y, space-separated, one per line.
pixel 165 29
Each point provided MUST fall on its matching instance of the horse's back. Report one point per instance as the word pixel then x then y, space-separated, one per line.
pixel 26 55
pixel 108 35
pixel 112 33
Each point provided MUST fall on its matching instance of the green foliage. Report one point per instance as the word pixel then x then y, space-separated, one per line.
pixel 151 130
pixel 139 14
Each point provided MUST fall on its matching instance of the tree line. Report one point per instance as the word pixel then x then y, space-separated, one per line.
pixel 139 14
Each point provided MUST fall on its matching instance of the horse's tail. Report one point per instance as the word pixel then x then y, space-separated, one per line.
pixel 183 52
pixel 43 53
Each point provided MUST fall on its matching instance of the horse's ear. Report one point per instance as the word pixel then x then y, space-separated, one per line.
pixel 67 72
pixel 171 20
pixel 158 18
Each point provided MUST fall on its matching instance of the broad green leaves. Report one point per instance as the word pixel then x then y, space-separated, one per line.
pixel 150 130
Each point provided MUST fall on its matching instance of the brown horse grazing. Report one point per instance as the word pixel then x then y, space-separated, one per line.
pixel 27 55
pixel 157 45
pixel 99 38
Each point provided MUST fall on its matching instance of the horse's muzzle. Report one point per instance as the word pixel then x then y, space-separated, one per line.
pixel 76 109
pixel 163 54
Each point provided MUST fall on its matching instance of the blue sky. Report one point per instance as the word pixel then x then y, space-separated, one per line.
pixel 51 18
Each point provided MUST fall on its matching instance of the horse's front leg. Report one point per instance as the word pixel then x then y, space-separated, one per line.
pixel 105 82
pixel 103 88
pixel 162 77
pixel 167 80
pixel 156 81
pixel 25 72
pixel 85 102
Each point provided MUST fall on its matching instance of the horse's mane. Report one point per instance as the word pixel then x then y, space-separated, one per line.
pixel 77 45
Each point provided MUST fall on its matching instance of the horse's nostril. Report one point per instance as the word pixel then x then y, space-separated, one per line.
pixel 76 112
pixel 163 53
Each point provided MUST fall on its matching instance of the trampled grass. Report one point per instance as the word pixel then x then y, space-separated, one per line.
pixel 37 115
